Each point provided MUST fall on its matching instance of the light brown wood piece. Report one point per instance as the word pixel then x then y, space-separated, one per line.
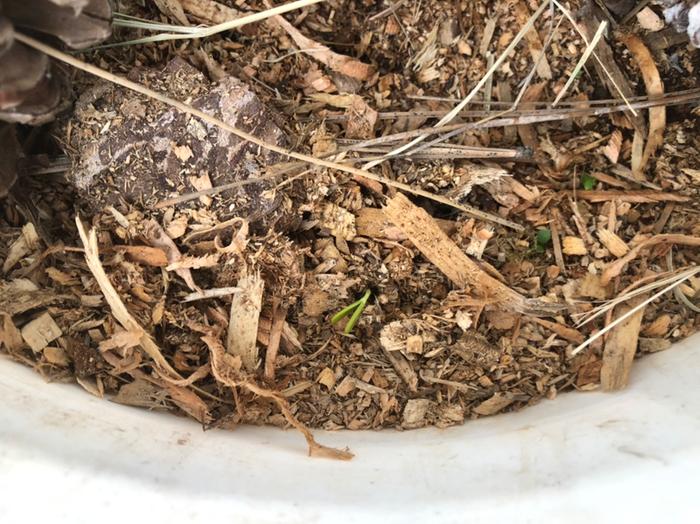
pixel 567 333
pixel 655 87
pixel 40 332
pixel 614 243
pixel 663 219
pixel 27 242
pixel 620 348
pixel 574 246
pixel 243 321
pixel 373 223
pixel 210 11
pixel 498 402
pixel 117 306
pixel 610 180
pixel 437 247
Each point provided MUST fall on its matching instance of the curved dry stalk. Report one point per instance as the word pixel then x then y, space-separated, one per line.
pixel 203 32
pixel 655 87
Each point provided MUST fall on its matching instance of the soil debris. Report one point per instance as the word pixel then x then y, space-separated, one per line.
pixel 413 251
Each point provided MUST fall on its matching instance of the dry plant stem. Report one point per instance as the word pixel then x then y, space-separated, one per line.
pixel 528 117
pixel 187 109
pixel 541 104
pixel 225 26
pixel 615 268
pixel 631 312
pixel 452 114
pixel 436 246
pixel 226 375
pixel 533 117
pixel 121 314
pixel 640 287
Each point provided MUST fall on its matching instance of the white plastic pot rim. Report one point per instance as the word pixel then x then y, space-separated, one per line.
pixel 68 457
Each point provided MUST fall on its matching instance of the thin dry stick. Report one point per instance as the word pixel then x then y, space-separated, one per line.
pixel 188 109
pixel 628 293
pixel 452 114
pixel 582 61
pixel 568 103
pixel 591 107
pixel 632 312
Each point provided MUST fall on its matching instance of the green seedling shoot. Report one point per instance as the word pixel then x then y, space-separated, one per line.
pixel 355 310
pixel 588 182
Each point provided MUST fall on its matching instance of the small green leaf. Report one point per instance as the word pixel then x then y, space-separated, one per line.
pixel 588 182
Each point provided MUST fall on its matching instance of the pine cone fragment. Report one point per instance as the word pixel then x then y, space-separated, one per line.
pixel 30 89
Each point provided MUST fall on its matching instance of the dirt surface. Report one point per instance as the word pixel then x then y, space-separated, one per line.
pixel 226 305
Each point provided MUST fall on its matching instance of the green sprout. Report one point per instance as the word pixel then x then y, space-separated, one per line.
pixel 355 309
pixel 542 240
pixel 588 182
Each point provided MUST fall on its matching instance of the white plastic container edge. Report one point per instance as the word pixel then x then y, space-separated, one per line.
pixel 585 457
